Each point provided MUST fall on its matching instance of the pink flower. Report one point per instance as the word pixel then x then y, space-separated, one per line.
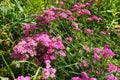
pixel 96 57
pixel 76 78
pixel 99 71
pixel 111 67
pixel 53 57
pixel 57 43
pixel 86 48
pixel 88 31
pixel 62 53
pixel 96 18
pixel 108 52
pixel 111 77
pixel 48 72
pixel 49 12
pixel 62 3
pixel 85 11
pixel 103 33
pixel 63 15
pixel 50 51
pixel 28 27
pixel 71 18
pixel 43 38
pixel 47 62
pixel 23 78
pixel 84 63
pixel 97 50
pixel 84 76
pixel 90 19
pixel 69 39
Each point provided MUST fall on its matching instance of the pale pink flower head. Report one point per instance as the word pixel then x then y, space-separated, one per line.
pixel 47 62
pixel 28 27
pixel 103 32
pixel 97 50
pixel 62 3
pixel 57 43
pixel 23 78
pixel 96 57
pixel 88 31
pixel 49 12
pixel 71 18
pixel 62 54
pixel 84 63
pixel 69 39
pixel 53 57
pixel 63 15
pixel 86 48
pixel 48 73
pixel 111 77
pixel 90 19
pixel 76 78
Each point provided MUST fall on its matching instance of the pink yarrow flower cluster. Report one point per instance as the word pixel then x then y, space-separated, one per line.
pixel 54 14
pixel 23 78
pixel 48 72
pixel 111 77
pixel 84 77
pixel 112 67
pixel 28 27
pixel 88 31
pixel 106 52
pixel 46 44
pixel 94 18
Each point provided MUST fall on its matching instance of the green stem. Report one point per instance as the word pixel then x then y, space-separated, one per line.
pixel 12 74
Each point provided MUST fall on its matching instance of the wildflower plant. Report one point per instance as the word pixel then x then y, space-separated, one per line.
pixel 68 41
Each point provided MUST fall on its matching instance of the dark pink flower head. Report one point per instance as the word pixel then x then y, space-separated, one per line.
pixel 111 67
pixel 108 52
pixel 96 18
pixel 23 78
pixel 88 31
pixel 84 76
pixel 85 11
pixel 106 46
pixel 76 78
pixel 111 77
